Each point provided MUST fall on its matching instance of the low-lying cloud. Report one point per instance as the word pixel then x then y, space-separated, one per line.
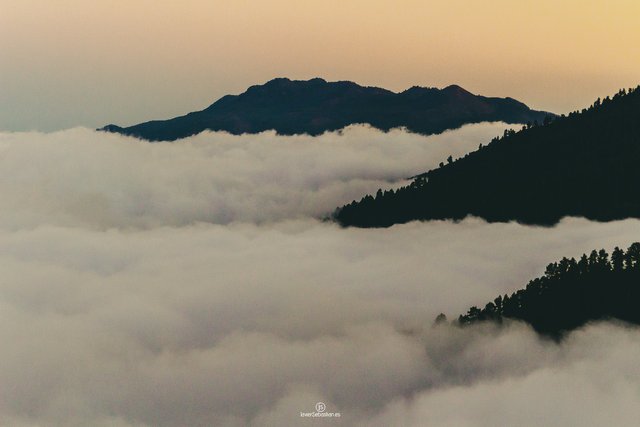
pixel 81 177
pixel 174 314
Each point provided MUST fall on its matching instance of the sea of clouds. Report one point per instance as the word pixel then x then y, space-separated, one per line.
pixel 83 178
pixel 195 284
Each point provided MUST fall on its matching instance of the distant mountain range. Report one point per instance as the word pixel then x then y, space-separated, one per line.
pixel 586 164
pixel 315 106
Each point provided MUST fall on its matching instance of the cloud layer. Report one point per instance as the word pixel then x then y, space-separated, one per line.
pixel 148 304
pixel 85 178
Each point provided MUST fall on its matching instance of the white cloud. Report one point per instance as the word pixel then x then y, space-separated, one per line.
pixel 207 324
pixel 591 380
pixel 123 317
pixel 84 178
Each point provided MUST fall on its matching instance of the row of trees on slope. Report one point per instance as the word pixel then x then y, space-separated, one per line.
pixel 584 164
pixel 571 293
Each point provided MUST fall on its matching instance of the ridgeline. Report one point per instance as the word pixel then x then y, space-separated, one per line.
pixel 572 293
pixel 316 106
pixel 585 165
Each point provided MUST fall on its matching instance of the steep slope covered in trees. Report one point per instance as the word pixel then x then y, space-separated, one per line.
pixel 572 293
pixel 584 165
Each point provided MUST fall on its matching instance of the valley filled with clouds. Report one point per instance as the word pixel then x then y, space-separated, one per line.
pixel 196 283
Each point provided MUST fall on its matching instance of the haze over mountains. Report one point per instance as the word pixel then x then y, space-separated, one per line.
pixel 583 165
pixel 316 106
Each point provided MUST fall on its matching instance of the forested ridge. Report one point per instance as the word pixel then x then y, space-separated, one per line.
pixel 584 164
pixel 571 293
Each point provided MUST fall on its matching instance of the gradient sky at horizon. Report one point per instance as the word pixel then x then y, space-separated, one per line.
pixel 76 63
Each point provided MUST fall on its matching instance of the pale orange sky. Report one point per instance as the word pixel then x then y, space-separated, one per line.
pixel 72 62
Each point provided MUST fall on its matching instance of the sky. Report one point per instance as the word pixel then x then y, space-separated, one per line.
pixel 69 63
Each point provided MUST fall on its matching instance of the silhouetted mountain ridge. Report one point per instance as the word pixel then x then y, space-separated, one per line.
pixel 585 165
pixel 315 106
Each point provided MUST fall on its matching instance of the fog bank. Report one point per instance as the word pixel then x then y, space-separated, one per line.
pixel 191 283
pixel 81 177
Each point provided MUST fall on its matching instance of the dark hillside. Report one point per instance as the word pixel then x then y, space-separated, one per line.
pixel 586 165
pixel 572 293
pixel 315 106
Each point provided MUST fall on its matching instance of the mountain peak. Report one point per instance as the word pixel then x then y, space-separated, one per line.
pixel 418 90
pixel 458 90
pixel 315 106
pixel 279 81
